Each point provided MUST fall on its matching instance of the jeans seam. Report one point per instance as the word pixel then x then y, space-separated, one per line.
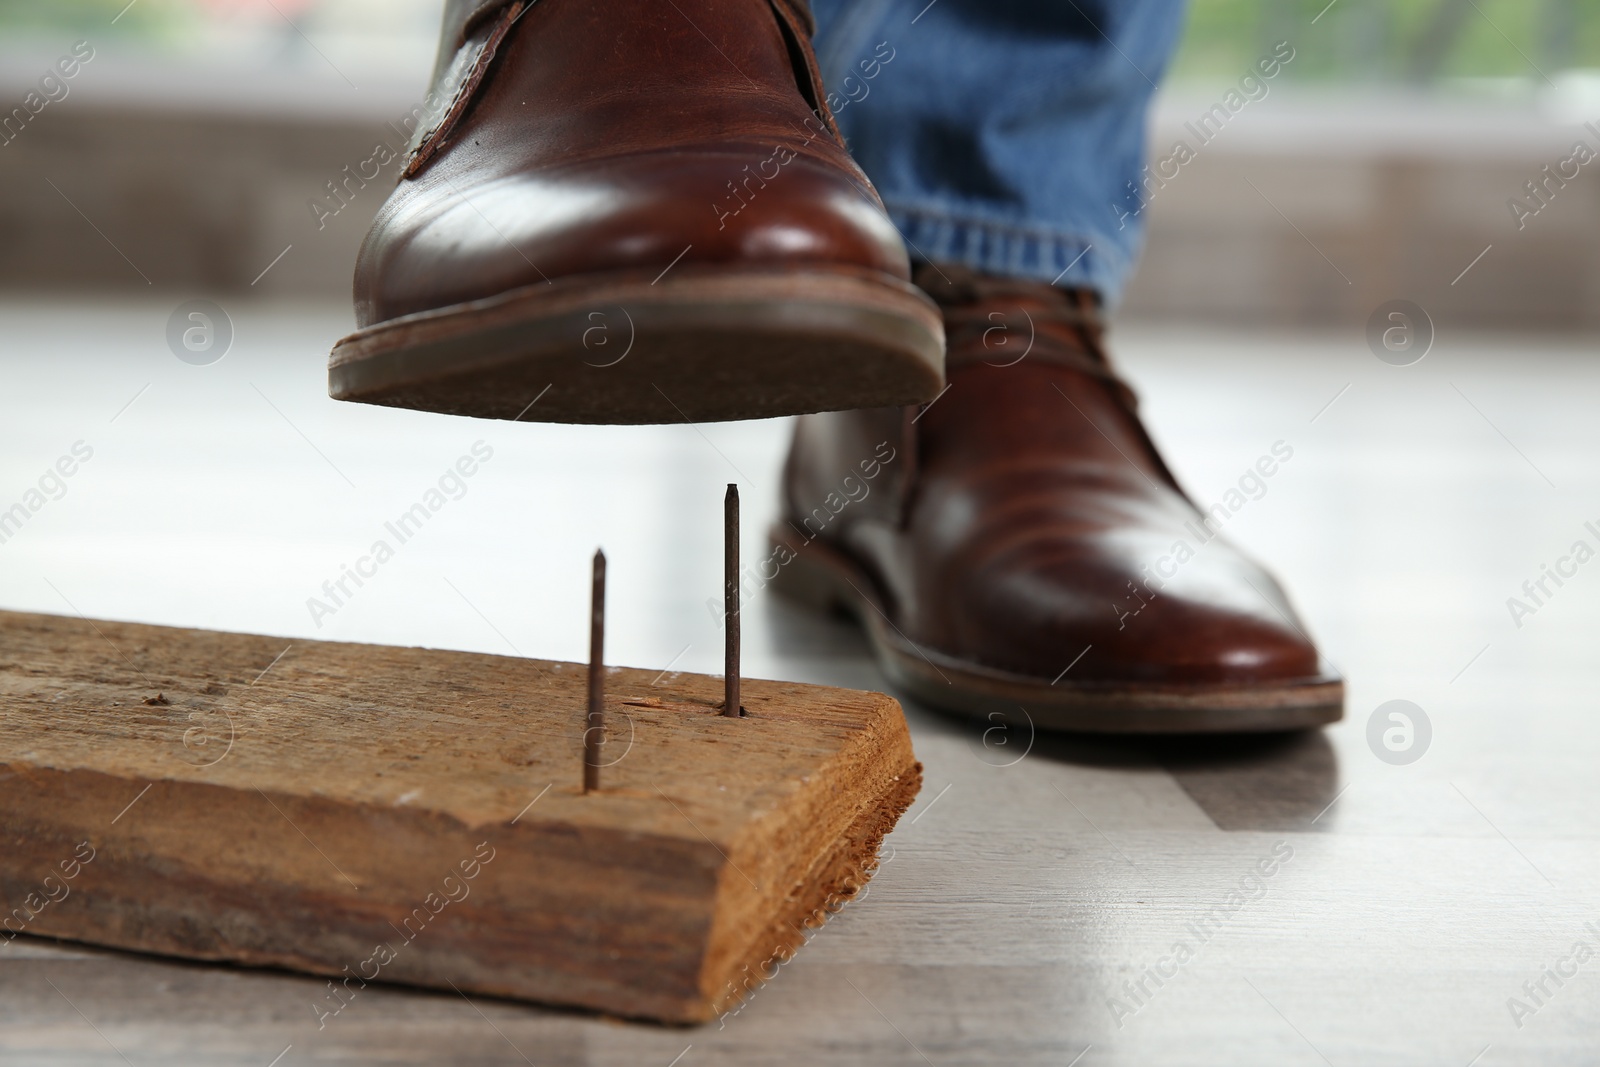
pixel 1109 256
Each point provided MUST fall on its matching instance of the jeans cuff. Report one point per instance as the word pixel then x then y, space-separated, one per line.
pixel 1078 260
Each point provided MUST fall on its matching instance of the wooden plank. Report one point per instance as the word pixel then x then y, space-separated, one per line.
pixel 408 815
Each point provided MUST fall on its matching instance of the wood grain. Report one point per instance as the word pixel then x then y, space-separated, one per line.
pixel 396 814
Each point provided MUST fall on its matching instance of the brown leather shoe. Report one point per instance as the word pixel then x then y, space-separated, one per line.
pixel 644 208
pixel 1019 549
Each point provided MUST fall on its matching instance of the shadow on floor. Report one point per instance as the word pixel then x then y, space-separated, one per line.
pixel 1267 782
pixel 1274 781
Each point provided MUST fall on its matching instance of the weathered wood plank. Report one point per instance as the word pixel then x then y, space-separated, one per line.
pixel 409 815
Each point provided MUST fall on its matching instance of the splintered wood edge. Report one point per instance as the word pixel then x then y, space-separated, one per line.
pixel 793 868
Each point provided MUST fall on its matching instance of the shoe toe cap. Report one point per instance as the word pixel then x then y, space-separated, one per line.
pixel 442 241
pixel 1219 618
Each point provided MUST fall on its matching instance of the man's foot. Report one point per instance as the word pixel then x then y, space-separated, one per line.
pixel 1019 547
pixel 631 211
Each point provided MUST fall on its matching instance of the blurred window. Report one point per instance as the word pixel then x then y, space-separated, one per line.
pixel 237 47
pixel 1494 45
pixel 1502 47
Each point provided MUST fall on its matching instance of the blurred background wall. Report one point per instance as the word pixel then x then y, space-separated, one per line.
pixel 191 144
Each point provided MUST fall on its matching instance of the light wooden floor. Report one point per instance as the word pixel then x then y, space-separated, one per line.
pixel 1034 877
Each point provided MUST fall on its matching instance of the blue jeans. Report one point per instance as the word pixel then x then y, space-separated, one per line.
pixel 1007 135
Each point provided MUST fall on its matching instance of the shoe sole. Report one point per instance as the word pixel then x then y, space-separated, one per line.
pixel 703 345
pixel 824 579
